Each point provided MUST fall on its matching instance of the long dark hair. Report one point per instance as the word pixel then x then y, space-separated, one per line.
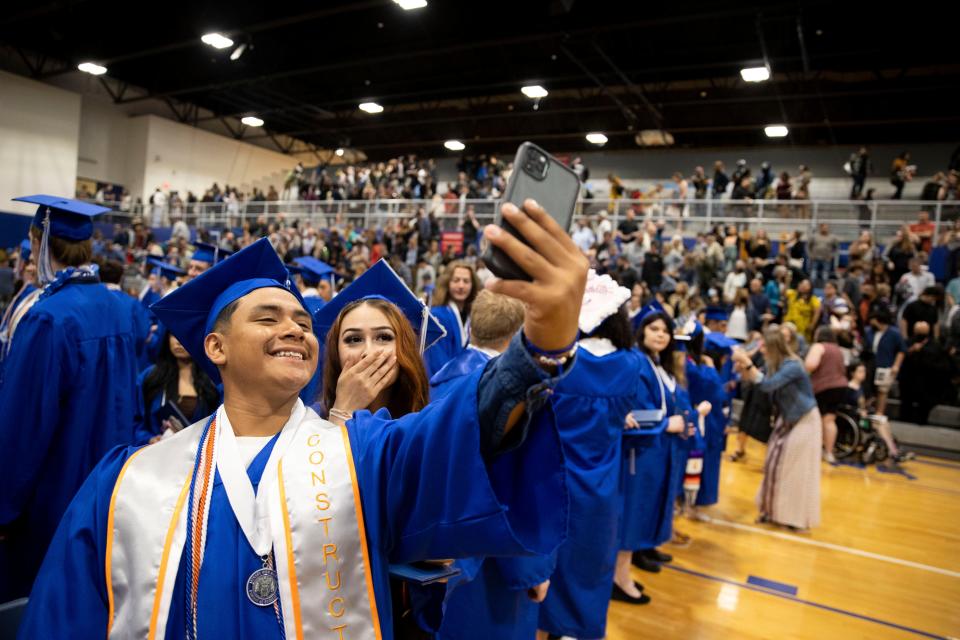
pixel 165 377
pixel 411 391
pixel 695 348
pixel 616 329
pixel 666 359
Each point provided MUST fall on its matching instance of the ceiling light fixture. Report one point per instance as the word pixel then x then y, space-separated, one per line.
pixel 534 91
pixel 252 121
pixel 596 138
pixel 454 145
pixel 339 153
pixel 371 107
pixel 92 68
pixel 410 5
pixel 216 40
pixel 755 74
pixel 776 131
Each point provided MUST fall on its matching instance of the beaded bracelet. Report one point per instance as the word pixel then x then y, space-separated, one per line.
pixel 554 358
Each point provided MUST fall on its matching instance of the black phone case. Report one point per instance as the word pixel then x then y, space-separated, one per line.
pixel 556 192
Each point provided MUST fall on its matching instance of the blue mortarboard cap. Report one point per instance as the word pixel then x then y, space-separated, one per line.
pixel 293 269
pixel 651 308
pixel 190 311
pixel 69 219
pixel 211 254
pixel 716 313
pixel 380 281
pixel 314 304
pixel 717 341
pixel 313 269
pixel 167 270
pixel 25 250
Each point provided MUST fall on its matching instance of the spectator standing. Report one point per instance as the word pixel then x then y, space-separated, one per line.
pixel 923 231
pixel 758 307
pixel 803 308
pixel 828 375
pixel 652 269
pixel 915 281
pixel 736 280
pixel 720 180
pixel 583 236
pixel 922 310
pixel 822 250
pixel 900 173
pixel 738 325
pixel 859 167
pixel 928 374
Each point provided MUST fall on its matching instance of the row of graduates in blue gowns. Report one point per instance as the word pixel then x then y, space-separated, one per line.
pixel 77 329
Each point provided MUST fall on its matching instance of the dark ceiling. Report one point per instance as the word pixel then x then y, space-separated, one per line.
pixel 844 73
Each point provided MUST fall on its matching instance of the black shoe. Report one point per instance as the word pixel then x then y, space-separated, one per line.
pixel 658 556
pixel 642 561
pixel 619 595
pixel 903 456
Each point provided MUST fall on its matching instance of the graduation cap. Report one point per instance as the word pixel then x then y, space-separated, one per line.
pixel 716 341
pixel 314 270
pixel 209 253
pixel 651 308
pixel 602 297
pixel 381 282
pixel 293 270
pixel 25 250
pixel 62 218
pixel 718 314
pixel 167 270
pixel 689 331
pixel 191 311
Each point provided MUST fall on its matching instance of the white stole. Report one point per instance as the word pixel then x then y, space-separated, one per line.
pixel 315 520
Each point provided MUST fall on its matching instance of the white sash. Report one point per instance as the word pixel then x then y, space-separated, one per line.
pixel 314 518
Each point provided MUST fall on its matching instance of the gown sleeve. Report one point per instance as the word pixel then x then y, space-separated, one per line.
pixel 430 492
pixel 70 590
pixel 30 410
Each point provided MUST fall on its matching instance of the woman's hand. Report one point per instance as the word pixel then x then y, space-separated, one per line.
pixel 630 422
pixel 363 381
pixel 538 593
pixel 558 269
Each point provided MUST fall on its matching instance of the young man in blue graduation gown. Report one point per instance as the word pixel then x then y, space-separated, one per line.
pixel 493 597
pixel 205 256
pixel 67 393
pixel 111 274
pixel 183 538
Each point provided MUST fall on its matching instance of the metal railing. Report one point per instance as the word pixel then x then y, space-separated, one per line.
pixel 687 217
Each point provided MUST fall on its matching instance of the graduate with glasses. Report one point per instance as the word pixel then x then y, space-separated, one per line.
pixel 266 521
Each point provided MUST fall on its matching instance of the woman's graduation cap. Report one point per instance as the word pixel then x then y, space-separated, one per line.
pixel 62 218
pixel 382 282
pixel 191 311
pixel 209 253
pixel 652 307
pixel 602 297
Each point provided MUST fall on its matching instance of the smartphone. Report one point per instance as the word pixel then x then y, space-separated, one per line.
pixel 538 175
pixel 423 573
pixel 171 410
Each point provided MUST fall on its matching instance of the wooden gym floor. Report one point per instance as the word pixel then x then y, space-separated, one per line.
pixel 884 563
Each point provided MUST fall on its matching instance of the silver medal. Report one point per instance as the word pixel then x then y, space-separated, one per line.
pixel 263 588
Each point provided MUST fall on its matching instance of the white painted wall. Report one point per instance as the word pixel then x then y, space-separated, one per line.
pixel 185 158
pixel 104 142
pixel 39 140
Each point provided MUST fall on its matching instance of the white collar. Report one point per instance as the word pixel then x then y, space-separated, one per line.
pixel 598 346
pixel 484 350
pixel 464 336
pixel 251 509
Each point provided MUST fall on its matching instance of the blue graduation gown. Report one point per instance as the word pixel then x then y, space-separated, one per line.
pixel 68 396
pixel 447 347
pixel 683 445
pixel 425 490
pixel 591 405
pixel 705 384
pixel 12 309
pixel 650 461
pixel 147 422
pixel 140 318
pixel 462 364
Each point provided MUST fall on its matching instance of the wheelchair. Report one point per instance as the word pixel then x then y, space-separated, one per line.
pixel 857 439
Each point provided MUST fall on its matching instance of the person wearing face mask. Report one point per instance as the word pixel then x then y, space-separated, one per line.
pixel 650 460
pixel 457 287
pixel 265 520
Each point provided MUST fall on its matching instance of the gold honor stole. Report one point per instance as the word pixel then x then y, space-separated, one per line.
pixel 316 522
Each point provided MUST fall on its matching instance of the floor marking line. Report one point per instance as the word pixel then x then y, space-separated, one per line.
pixel 825 607
pixel 937 463
pixel 834 547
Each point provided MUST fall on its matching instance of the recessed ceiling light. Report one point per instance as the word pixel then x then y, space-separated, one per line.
pixel 534 91
pixel 755 74
pixel 216 40
pixel 371 107
pixel 596 138
pixel 409 5
pixel 252 121
pixel 776 131
pixel 454 145
pixel 92 68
